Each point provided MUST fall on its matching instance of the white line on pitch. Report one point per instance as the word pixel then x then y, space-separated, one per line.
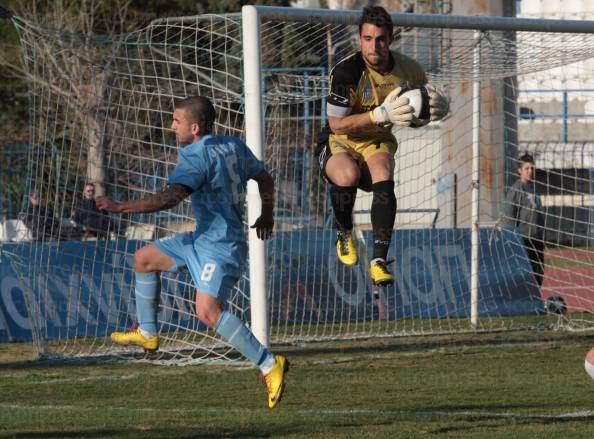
pixel 88 378
pixel 584 414
pixel 132 376
pixel 75 380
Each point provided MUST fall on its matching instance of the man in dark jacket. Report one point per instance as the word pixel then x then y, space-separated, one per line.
pixel 90 220
pixel 523 211
pixel 40 219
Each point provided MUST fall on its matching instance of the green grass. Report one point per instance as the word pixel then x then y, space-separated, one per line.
pixel 481 386
pixel 577 257
pixel 565 262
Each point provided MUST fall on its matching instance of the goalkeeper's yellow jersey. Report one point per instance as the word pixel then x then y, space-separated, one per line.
pixel 355 88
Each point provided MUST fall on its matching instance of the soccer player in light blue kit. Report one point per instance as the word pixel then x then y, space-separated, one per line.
pixel 215 171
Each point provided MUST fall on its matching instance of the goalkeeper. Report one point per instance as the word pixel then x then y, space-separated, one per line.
pixel 358 147
pixel 214 170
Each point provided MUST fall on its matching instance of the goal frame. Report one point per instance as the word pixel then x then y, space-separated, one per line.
pixel 254 118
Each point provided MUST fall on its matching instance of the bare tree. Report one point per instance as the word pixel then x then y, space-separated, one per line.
pixel 65 58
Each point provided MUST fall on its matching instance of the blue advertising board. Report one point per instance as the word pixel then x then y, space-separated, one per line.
pixel 86 288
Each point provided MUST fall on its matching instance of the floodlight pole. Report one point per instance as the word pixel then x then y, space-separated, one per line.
pixel 254 134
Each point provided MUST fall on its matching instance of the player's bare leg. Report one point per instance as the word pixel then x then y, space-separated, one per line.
pixel 343 171
pixel 209 311
pixel 148 262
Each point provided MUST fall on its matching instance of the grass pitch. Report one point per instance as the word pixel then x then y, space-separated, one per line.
pixel 477 386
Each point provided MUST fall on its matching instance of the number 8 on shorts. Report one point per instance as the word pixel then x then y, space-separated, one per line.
pixel 208 271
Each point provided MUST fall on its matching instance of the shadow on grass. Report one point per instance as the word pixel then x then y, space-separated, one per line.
pixel 44 363
pixel 404 345
pixel 480 421
pixel 347 347
pixel 123 358
pixel 178 433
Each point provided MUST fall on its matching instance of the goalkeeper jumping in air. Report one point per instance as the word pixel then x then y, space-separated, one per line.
pixel 214 170
pixel 357 148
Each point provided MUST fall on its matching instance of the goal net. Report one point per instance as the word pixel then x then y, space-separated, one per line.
pixel 101 111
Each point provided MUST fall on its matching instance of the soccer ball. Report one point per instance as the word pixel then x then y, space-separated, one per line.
pixel 589 363
pixel 418 97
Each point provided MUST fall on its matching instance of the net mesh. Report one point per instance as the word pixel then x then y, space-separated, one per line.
pixel 101 111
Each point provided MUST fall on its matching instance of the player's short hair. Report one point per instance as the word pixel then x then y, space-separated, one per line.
pixel 88 183
pixel 199 110
pixel 525 158
pixel 377 16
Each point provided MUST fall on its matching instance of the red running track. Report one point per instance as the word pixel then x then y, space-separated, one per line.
pixel 574 284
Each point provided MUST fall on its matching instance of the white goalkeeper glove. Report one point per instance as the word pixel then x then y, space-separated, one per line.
pixel 394 110
pixel 438 104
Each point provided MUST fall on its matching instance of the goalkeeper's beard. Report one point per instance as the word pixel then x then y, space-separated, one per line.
pixel 381 61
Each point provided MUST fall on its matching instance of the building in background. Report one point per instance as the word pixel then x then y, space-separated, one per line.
pixel 556 125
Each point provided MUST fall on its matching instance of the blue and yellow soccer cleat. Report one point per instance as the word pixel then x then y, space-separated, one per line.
pixel 275 381
pixel 378 271
pixel 134 337
pixel 345 248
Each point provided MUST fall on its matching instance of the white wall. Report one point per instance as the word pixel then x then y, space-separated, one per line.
pixel 576 75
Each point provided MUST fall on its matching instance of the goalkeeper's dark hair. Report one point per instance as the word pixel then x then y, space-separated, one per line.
pixel 377 16
pixel 199 110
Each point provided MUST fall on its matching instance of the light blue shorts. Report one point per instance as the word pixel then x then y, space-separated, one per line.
pixel 213 275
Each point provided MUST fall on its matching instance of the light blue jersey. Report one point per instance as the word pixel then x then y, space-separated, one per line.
pixel 217 169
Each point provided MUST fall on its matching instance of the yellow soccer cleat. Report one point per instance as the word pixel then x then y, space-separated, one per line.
pixel 379 273
pixel 275 381
pixel 345 248
pixel 134 337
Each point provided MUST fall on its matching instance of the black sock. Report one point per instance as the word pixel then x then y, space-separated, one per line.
pixel 343 201
pixel 383 213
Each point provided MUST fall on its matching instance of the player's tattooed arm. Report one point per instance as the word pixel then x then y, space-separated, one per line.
pixel 166 199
